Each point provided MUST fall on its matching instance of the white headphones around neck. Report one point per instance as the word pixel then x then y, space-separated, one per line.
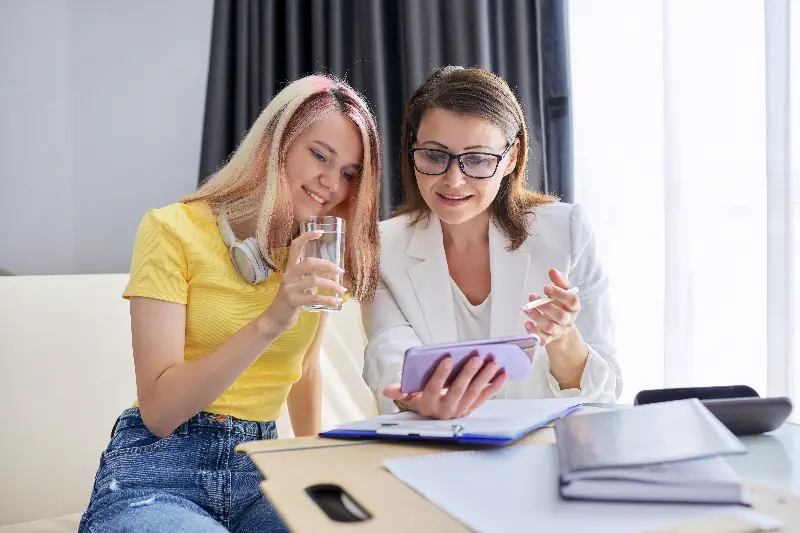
pixel 245 255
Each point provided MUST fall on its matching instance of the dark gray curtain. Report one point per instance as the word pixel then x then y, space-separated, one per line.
pixel 385 48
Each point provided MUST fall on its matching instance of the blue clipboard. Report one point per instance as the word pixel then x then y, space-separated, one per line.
pixel 415 428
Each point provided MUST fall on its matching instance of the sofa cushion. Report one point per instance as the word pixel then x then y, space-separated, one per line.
pixel 59 524
pixel 67 368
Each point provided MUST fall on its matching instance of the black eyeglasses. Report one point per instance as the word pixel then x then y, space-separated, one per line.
pixel 479 165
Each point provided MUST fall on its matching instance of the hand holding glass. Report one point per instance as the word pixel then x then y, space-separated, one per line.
pixel 328 247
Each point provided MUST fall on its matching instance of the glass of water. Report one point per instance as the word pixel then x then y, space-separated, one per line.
pixel 330 247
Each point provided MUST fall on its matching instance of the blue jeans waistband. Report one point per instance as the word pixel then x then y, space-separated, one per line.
pixel 260 430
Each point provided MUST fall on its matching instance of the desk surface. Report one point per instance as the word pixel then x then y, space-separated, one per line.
pixel 772 459
pixel 772 464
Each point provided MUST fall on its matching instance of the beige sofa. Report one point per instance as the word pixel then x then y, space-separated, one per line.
pixel 66 371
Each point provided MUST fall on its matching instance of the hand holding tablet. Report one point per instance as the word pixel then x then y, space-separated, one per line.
pixel 512 355
pixel 449 381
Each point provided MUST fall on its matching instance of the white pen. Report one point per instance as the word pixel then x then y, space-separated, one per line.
pixel 541 301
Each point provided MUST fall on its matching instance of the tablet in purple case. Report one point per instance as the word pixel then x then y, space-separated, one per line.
pixel 514 354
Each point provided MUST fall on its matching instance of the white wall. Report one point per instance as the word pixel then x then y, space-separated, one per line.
pixel 36 208
pixel 101 112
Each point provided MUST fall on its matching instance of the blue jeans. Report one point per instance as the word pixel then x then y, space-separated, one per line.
pixel 189 481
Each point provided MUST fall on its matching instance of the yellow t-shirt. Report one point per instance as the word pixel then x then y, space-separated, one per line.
pixel 180 257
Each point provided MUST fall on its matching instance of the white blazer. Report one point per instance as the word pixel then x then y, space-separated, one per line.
pixel 414 304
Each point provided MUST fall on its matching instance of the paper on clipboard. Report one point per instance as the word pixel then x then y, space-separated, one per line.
pixel 495 418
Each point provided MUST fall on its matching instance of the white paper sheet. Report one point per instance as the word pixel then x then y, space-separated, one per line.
pixel 516 489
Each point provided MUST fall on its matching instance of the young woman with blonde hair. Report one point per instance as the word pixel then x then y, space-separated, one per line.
pixel 220 338
pixel 470 246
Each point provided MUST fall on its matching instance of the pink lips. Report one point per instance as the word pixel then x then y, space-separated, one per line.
pixel 315 196
pixel 453 200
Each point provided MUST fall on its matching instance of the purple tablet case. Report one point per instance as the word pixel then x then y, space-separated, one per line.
pixel 420 362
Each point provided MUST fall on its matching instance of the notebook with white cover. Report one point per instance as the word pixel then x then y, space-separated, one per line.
pixel 665 452
pixel 709 480
pixel 496 422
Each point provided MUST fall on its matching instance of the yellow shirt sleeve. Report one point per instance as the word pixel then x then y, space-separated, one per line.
pixel 159 268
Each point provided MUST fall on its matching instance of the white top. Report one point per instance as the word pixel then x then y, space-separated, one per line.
pixel 472 321
pixel 414 303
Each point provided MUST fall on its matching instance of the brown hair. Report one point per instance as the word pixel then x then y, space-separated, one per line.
pixel 253 182
pixel 479 93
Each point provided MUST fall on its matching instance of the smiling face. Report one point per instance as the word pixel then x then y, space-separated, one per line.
pixel 322 165
pixel 454 196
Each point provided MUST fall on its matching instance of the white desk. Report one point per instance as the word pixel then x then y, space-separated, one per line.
pixel 772 459
pixel 292 466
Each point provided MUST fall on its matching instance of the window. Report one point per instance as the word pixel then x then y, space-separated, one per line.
pixel 671 151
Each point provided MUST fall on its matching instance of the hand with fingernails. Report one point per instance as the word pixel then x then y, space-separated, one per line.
pixel 475 383
pixel 300 277
pixel 553 320
pixel 554 323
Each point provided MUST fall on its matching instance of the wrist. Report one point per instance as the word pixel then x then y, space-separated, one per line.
pixel 568 355
pixel 569 346
pixel 562 345
pixel 267 328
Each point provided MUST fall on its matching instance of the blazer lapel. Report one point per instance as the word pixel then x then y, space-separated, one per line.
pixel 431 281
pixel 509 279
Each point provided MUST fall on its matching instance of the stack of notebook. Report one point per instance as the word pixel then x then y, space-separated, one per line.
pixel 664 452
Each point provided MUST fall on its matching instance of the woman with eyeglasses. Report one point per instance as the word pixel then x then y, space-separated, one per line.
pixel 470 246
